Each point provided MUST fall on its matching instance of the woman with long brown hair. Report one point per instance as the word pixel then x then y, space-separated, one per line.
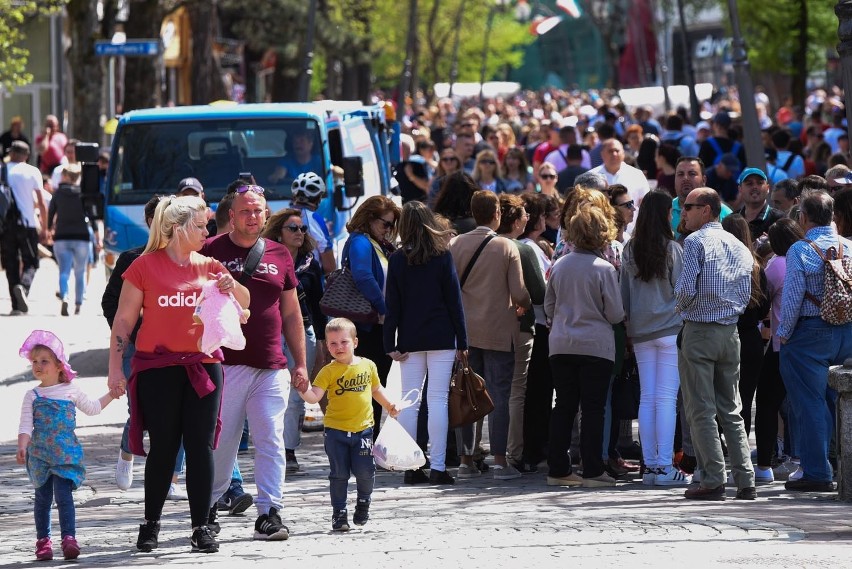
pixel 371 232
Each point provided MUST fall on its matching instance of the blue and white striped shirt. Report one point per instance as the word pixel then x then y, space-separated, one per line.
pixel 806 273
pixel 715 285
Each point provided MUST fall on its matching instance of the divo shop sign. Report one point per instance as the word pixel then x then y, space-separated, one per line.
pixel 711 46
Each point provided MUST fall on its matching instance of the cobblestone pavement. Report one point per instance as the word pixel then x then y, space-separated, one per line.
pixel 476 523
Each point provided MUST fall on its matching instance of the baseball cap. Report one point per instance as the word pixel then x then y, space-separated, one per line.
pixel 702 125
pixel 847 179
pixel 190 184
pixel 20 146
pixel 722 118
pixel 751 172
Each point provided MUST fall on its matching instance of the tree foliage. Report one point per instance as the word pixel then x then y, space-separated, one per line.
pixel 13 15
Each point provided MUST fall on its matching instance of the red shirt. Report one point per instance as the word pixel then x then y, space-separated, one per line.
pixel 170 293
pixel 274 275
pixel 541 152
pixel 52 157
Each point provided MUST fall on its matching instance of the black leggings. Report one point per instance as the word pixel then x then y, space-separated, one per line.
pixel 371 345
pixel 172 411
pixel 751 360
pixel 539 399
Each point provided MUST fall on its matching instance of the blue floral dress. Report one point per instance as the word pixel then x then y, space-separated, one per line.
pixel 54 448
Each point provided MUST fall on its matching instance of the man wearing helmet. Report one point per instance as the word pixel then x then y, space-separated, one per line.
pixel 308 190
pixel 300 160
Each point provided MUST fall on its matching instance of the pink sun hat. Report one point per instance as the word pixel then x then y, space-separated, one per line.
pixel 49 339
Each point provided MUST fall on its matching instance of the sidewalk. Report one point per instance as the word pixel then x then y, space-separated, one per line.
pixel 475 524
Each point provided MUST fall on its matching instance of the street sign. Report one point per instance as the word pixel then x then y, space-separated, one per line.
pixel 130 48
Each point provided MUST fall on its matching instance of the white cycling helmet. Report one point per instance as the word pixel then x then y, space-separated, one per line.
pixel 308 185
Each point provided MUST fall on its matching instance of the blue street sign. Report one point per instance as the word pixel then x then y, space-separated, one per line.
pixel 130 48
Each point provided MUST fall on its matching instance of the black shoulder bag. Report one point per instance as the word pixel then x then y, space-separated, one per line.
pixel 474 258
pixel 252 260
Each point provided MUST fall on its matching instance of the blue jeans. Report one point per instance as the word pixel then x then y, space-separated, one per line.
pixel 294 416
pixel 348 454
pixel 60 488
pixel 72 254
pixel 805 358
pixel 497 369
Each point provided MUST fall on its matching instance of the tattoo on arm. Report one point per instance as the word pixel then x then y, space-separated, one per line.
pixel 121 344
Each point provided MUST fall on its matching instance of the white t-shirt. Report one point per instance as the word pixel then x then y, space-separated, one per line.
pixel 25 179
pixel 631 178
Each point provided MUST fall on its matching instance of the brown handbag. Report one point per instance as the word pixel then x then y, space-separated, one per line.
pixel 469 400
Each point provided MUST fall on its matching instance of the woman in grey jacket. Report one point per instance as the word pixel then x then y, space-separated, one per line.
pixel 651 265
pixel 582 302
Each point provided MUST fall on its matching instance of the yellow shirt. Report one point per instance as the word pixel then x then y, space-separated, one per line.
pixel 350 394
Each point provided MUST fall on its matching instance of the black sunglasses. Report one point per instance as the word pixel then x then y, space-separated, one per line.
pixel 449 159
pixel 385 223
pixel 689 206
pixel 492 162
pixel 547 176
pixel 295 228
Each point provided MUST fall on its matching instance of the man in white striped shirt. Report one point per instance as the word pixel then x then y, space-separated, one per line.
pixel 713 290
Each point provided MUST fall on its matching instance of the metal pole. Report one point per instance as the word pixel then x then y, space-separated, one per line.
pixel 843 9
pixel 488 26
pixel 663 51
pixel 308 65
pixel 687 62
pixel 405 81
pixel 755 156
pixel 111 98
pixel 454 65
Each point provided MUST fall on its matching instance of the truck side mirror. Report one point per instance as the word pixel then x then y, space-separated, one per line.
pixel 353 176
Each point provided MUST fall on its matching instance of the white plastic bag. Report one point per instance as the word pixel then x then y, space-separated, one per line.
pixel 394 449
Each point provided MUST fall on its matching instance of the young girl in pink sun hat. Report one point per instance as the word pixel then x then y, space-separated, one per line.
pixel 46 440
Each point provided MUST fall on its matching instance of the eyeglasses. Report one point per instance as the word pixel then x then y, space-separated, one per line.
pixel 387 224
pixel 629 205
pixel 250 188
pixel 547 176
pixel 295 228
pixel 689 206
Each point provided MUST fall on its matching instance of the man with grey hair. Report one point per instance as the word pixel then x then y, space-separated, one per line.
pixel 809 344
pixel 591 180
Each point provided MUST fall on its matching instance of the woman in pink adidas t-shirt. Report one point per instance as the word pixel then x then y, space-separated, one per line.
pixel 175 390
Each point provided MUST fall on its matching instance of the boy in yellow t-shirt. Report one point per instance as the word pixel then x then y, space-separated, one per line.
pixel 351 383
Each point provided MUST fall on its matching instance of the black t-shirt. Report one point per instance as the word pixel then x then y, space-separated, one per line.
pixel 407 189
pixel 6 140
pixel 763 221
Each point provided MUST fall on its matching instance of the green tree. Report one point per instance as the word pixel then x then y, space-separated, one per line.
pixel 789 40
pixel 13 15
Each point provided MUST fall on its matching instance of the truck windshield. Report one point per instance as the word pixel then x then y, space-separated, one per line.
pixel 152 158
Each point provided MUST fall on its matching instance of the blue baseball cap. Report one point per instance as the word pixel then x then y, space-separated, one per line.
pixel 751 172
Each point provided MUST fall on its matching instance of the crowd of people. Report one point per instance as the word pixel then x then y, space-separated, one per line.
pixel 553 243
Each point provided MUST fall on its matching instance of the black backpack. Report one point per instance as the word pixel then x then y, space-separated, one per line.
pixel 7 201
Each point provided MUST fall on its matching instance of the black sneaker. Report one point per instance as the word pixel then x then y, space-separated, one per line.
pixel 269 527
pixel 362 512
pixel 415 477
pixel 292 466
pixel 148 533
pixel 440 477
pixel 64 310
pixel 340 520
pixel 213 521
pixel 236 500
pixel 20 295
pixel 203 541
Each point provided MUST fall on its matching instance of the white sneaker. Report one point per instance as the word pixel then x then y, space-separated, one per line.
pixel 649 475
pixel 797 475
pixel 507 472
pixel 672 477
pixel 124 473
pixel 763 475
pixel 176 492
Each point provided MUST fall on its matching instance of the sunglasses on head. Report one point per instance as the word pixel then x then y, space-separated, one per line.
pixel 295 228
pixel 250 188
pixel 387 224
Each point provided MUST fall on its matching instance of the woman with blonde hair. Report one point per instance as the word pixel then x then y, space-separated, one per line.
pixel 425 328
pixel 582 303
pixel 175 389
pixel 487 173
pixel 372 230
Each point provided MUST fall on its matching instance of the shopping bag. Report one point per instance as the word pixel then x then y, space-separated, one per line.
pixel 394 449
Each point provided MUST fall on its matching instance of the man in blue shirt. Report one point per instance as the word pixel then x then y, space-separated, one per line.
pixel 712 291
pixel 809 345
pixel 301 160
